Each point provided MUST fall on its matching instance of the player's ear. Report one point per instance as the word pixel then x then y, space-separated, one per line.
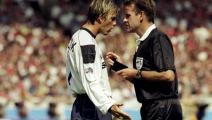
pixel 100 19
pixel 141 14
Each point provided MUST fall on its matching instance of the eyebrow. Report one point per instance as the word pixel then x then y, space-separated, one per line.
pixel 127 15
pixel 113 18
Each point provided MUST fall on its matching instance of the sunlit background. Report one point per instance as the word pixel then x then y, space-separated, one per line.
pixel 34 35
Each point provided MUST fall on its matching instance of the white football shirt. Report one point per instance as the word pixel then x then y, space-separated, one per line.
pixel 86 70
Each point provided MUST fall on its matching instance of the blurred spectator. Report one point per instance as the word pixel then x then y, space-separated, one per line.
pixel 2 111
pixel 52 112
pixel 22 111
pixel 34 33
pixel 201 111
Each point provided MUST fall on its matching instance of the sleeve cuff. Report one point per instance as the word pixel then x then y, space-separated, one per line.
pixel 107 106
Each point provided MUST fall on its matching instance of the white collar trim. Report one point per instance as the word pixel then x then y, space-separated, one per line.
pixel 148 31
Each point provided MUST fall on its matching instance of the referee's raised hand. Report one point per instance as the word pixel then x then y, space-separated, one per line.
pixel 118 113
pixel 110 57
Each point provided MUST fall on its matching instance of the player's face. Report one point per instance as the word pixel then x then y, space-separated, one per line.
pixel 108 23
pixel 131 20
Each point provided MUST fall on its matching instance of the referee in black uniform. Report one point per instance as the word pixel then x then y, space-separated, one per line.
pixel 154 73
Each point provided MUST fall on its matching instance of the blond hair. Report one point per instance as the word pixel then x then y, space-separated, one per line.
pixel 100 8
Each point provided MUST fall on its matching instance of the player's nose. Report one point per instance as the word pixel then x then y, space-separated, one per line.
pixel 125 20
pixel 114 23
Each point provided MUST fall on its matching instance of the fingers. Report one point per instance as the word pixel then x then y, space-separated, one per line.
pixel 120 72
pixel 109 61
pixel 112 56
pixel 118 113
pixel 124 115
pixel 119 105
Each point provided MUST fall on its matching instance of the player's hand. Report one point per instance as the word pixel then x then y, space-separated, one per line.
pixel 118 113
pixel 110 56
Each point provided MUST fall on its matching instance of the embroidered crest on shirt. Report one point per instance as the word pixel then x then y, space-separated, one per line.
pixel 71 46
pixel 139 62
pixel 89 70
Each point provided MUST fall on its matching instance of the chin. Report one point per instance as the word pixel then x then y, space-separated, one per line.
pixel 104 33
pixel 127 30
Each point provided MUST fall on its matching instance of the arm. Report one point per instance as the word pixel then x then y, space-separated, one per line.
pixel 94 85
pixel 163 61
pixel 163 57
pixel 160 76
pixel 130 73
pixel 91 77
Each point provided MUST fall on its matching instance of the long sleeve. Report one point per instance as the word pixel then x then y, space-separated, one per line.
pixel 88 74
pixel 92 79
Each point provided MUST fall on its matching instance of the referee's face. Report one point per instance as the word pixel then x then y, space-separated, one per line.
pixel 131 19
pixel 108 23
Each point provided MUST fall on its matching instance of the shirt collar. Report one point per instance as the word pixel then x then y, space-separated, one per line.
pixel 148 31
pixel 83 28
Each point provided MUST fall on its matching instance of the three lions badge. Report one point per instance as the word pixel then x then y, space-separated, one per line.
pixel 139 62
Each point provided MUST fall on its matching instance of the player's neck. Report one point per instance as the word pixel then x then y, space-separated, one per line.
pixel 92 28
pixel 143 28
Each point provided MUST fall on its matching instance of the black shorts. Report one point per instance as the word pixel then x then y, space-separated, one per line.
pixel 84 109
pixel 167 109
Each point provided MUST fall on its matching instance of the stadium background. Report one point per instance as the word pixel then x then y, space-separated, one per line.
pixel 35 33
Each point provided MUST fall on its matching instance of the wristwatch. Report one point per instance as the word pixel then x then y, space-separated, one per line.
pixel 138 74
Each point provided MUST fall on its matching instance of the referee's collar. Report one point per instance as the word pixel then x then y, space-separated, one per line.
pixel 148 31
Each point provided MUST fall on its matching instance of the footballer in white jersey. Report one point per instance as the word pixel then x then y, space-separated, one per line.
pixel 87 75
pixel 86 70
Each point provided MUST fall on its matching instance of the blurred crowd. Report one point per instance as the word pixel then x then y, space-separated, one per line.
pixel 34 35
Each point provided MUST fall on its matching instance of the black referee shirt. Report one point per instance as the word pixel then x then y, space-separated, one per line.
pixel 155 53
